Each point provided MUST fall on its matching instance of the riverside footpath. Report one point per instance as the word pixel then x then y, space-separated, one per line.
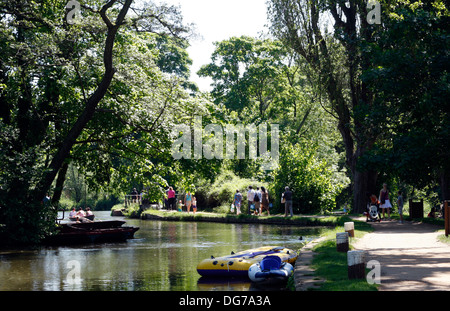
pixel 411 256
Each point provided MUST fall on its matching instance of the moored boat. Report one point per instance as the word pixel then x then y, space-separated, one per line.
pixel 270 270
pixel 238 264
pixel 89 217
pixel 91 232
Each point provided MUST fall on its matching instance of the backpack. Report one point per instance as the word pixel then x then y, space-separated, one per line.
pixel 256 197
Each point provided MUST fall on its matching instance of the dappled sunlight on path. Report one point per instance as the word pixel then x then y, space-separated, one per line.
pixel 410 255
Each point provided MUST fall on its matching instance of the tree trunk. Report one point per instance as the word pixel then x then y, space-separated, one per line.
pixel 60 184
pixel 444 183
pixel 91 105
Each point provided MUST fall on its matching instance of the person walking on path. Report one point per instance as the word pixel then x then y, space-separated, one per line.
pixel 265 200
pixel 250 198
pixel 257 202
pixel 237 201
pixel 287 196
pixel 188 201
pixel 171 198
pixel 384 200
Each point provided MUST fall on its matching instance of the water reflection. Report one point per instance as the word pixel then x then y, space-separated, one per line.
pixel 162 257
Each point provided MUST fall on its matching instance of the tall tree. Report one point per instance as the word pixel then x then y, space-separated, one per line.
pixel 299 24
pixel 49 100
pixel 410 74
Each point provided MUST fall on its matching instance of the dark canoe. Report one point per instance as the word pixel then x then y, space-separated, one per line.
pixel 90 217
pixel 92 232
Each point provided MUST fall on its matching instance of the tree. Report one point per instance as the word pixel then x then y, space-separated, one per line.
pixel 410 73
pixel 311 179
pixel 298 25
pixel 246 73
pixel 48 106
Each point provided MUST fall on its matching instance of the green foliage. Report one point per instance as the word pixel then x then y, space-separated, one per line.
pixel 221 192
pixel 410 74
pixel 332 265
pixel 311 180
pixel 69 94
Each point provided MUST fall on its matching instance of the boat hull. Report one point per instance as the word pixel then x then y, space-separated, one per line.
pixel 238 264
pixel 95 232
pixel 90 217
pixel 271 277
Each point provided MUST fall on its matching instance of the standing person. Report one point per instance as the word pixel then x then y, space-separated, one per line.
pixel 265 200
pixel 257 201
pixel 194 204
pixel 134 194
pixel 384 200
pixel 171 198
pixel 188 201
pixel 250 198
pixel 237 201
pixel 287 195
pixel 400 205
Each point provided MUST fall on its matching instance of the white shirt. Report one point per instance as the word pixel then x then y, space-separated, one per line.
pixel 251 195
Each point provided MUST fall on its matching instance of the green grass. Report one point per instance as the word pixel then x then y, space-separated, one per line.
pixel 325 221
pixel 331 265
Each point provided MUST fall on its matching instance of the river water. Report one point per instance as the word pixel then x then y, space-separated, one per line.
pixel 162 257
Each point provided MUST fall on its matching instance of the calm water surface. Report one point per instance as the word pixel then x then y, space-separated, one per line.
pixel 162 257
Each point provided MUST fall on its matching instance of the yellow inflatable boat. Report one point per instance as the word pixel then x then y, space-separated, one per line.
pixel 237 264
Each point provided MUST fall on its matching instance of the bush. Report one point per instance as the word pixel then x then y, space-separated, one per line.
pixel 220 194
pixel 311 180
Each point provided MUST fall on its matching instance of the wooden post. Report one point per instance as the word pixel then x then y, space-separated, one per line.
pixel 356 261
pixel 342 242
pixel 350 228
pixel 447 218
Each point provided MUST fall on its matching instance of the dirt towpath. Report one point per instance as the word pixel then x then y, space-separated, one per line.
pixel 411 257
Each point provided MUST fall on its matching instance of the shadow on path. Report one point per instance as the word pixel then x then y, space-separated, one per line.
pixel 410 255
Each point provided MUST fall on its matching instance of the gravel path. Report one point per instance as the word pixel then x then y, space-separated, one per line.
pixel 411 257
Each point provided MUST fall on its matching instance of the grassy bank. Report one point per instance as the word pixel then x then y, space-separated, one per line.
pixel 313 220
pixel 331 265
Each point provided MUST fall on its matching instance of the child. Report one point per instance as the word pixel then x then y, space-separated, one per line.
pixel 194 204
pixel 400 206
pixel 372 201
pixel 180 206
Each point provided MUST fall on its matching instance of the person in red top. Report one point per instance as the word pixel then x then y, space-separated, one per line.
pixel 373 200
pixel 171 198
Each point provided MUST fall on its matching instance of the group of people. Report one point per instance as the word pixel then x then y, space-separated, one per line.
pixel 383 202
pixel 81 214
pixel 189 201
pixel 258 201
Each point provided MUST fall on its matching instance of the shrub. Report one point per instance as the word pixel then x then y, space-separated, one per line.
pixel 311 180
pixel 220 194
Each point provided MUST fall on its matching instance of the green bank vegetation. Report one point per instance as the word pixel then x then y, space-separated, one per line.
pixel 331 265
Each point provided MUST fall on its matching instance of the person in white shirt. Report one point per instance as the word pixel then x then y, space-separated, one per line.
pixel 73 213
pixel 250 197
pixel 81 213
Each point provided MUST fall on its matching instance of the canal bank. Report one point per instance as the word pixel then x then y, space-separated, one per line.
pixel 321 267
pixel 303 220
